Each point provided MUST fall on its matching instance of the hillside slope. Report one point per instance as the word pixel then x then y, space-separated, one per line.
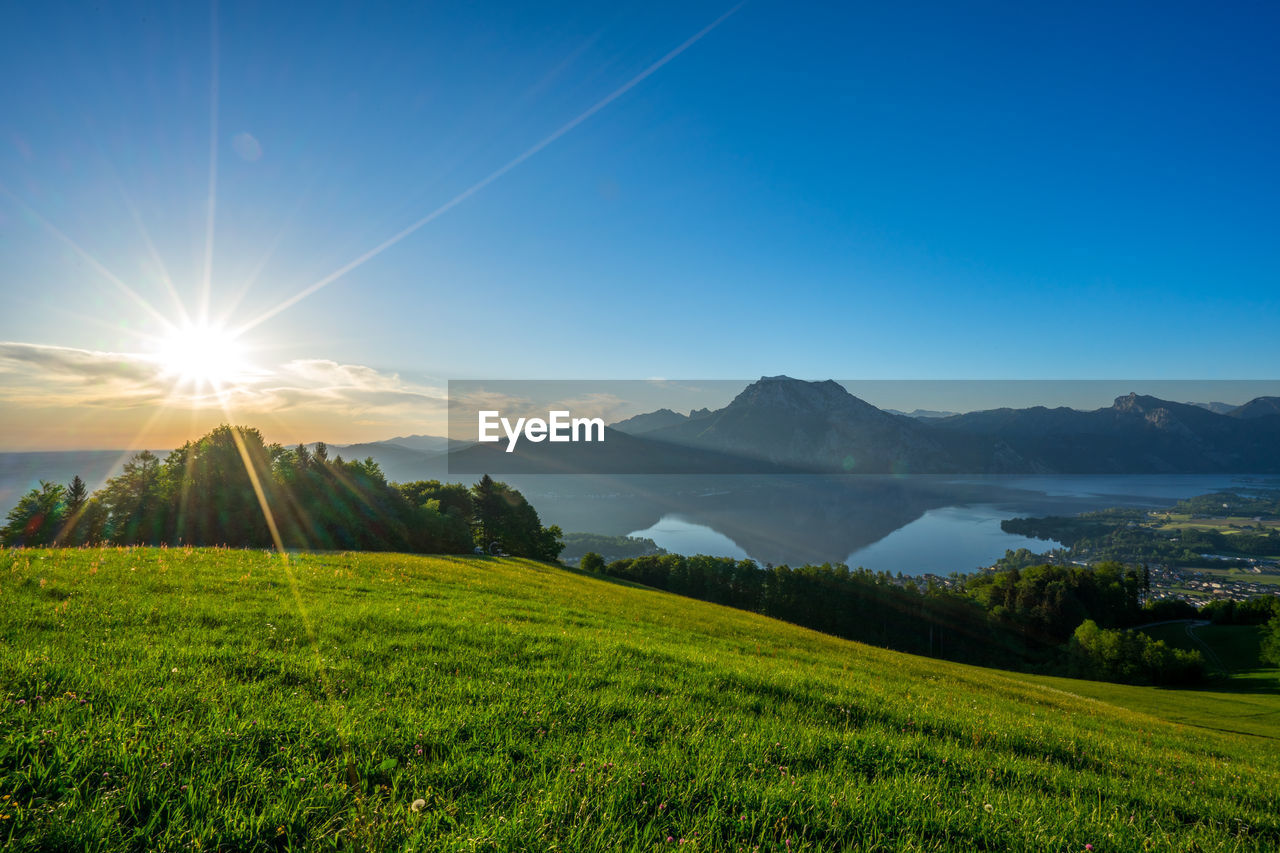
pixel 165 699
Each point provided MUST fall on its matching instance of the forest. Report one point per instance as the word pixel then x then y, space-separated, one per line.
pixel 232 488
pixel 1065 620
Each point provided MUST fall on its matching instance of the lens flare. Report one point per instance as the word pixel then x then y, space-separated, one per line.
pixel 202 357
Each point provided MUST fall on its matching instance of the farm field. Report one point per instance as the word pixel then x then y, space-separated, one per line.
pixel 179 699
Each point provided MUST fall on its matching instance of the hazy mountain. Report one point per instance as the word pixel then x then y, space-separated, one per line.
pixel 923 414
pixel 661 419
pixel 1136 435
pixel 1217 408
pixel 649 421
pixel 1260 407
pixel 399 464
pixel 20 472
pixel 403 459
pixel 423 443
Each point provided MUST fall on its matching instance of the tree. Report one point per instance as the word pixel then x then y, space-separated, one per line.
pixel 1271 642
pixel 38 517
pixel 447 513
pixel 216 500
pixel 76 499
pixel 592 562
pixel 91 526
pixel 1130 656
pixel 136 502
pixel 502 515
pixel 77 494
pixel 488 511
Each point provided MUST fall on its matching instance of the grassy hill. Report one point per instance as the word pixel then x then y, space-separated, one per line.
pixel 1250 688
pixel 1230 648
pixel 223 700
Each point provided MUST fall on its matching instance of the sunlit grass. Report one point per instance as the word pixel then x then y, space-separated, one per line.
pixel 174 699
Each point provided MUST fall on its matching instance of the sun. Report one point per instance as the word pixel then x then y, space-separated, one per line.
pixel 202 356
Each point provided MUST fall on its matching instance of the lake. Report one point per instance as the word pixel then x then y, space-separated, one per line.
pixel 912 525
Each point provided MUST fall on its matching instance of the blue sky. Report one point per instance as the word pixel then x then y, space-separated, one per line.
pixel 898 190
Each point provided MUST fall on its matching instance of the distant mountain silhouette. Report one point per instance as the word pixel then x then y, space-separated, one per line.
pixel 923 414
pixel 784 425
pixel 24 470
pixel 1136 435
pixel 649 421
pixel 1260 407
pixel 811 426
pixel 1217 408
pixel 398 463
pixel 423 443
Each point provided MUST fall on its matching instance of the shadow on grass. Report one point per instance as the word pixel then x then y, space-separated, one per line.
pixel 1259 681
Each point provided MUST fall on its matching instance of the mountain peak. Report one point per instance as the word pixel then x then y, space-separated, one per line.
pixel 649 421
pixel 1127 401
pixel 786 393
pixel 1143 403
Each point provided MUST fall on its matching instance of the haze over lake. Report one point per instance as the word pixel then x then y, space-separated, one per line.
pixel 914 525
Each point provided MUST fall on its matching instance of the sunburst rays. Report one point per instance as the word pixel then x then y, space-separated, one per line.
pixel 488 179
pixel 199 353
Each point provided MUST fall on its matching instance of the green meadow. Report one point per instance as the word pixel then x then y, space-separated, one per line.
pixel 168 699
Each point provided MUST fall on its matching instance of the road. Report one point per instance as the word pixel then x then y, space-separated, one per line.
pixel 1190 626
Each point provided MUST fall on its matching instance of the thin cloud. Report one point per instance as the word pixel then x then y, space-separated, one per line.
pixel 50 376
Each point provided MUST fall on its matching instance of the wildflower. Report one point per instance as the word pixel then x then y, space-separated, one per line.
pixel 1088 847
pixel 991 808
pixel 418 805
pixel 670 838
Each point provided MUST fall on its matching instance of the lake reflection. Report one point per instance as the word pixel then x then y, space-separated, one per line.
pixel 940 541
pixel 954 538
pixel 684 537
pixel 913 525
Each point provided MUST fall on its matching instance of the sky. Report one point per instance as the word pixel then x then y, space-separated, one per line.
pixel 347 205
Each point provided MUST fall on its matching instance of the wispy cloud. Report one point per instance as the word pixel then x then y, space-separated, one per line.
pixel 54 377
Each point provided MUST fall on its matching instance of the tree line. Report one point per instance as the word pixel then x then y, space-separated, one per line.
pixel 1126 534
pixel 232 488
pixel 1045 618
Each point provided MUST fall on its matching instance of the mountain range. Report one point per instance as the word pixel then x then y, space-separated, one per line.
pixel 779 424
pixel 784 425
